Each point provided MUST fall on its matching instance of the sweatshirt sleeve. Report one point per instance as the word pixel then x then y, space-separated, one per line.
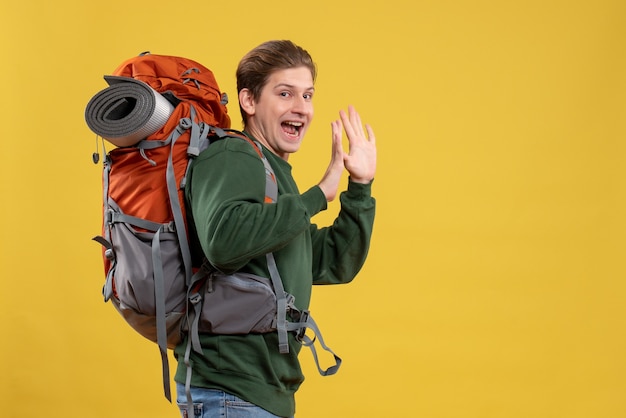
pixel 226 196
pixel 340 250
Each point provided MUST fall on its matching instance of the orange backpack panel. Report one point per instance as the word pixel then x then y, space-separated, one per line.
pixel 185 79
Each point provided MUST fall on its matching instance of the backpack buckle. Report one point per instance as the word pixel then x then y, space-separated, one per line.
pixel 302 320
pixel 108 216
pixel 169 227
pixel 109 254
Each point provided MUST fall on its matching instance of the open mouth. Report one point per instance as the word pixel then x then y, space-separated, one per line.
pixel 292 128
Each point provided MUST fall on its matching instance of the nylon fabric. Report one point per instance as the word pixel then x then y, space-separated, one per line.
pixel 239 303
pixel 159 110
pixel 185 80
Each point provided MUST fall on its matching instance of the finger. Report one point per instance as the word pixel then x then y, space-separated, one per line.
pixel 337 134
pixel 347 125
pixel 355 119
pixel 336 130
pixel 370 134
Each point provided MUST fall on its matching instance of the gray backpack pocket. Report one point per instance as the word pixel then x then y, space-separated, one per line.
pixel 137 255
pixel 239 303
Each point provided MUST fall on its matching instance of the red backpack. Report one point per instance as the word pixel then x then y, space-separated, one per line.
pixel 161 112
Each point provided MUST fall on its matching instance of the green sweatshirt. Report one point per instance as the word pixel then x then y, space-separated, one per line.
pixel 235 229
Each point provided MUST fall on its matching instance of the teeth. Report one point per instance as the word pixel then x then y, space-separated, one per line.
pixel 292 128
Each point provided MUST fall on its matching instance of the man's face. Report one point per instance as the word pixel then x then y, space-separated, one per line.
pixel 281 115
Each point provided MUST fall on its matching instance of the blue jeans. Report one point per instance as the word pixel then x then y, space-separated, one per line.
pixel 211 403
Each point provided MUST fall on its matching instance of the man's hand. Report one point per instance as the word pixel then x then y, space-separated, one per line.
pixel 330 182
pixel 361 159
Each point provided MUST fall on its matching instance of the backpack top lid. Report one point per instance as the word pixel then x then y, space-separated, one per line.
pixel 185 79
pixel 143 93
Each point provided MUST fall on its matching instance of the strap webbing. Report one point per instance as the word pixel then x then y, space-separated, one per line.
pixel 181 232
pixel 188 397
pixel 179 221
pixel 271 195
pixel 308 323
pixel 281 304
pixel 159 298
pixel 107 290
pixel 271 187
pixel 116 216
pixel 194 297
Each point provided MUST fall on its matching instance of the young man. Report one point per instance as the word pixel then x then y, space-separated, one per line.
pixel 246 375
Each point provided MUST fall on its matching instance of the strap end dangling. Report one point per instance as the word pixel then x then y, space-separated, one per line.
pixel 95 157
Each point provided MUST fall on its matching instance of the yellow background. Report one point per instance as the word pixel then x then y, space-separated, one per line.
pixel 495 284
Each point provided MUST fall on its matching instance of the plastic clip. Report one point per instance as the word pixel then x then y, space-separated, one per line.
pixel 302 320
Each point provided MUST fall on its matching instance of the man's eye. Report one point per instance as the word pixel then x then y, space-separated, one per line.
pixel 284 94
pixel 308 96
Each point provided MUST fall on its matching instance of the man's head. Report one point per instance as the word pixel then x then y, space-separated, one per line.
pixel 275 85
pixel 257 65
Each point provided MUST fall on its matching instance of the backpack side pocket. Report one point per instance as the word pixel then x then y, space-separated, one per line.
pixel 239 303
pixel 134 283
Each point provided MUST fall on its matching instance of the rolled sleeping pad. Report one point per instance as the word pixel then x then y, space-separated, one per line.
pixel 127 111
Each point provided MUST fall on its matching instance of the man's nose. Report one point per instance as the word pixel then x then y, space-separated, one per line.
pixel 302 105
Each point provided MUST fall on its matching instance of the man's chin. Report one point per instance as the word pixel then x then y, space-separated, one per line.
pixel 292 142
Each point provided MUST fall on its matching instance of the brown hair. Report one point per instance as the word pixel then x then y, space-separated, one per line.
pixel 257 65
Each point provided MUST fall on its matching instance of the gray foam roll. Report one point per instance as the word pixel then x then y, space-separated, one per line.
pixel 127 111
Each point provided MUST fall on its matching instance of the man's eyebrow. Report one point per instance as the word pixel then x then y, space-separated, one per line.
pixel 291 86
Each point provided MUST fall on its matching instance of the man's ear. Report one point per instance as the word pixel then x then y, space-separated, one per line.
pixel 246 101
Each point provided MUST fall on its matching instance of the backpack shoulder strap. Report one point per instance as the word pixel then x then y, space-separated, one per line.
pixel 194 296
